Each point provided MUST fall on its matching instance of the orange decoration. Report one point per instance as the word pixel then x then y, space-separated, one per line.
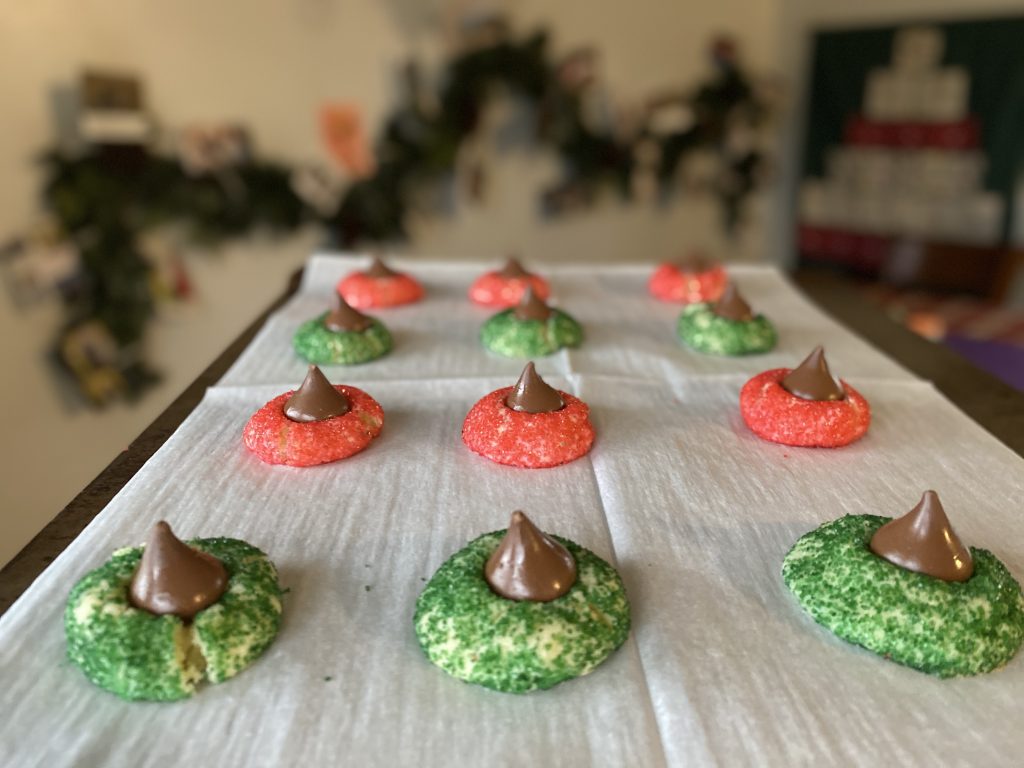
pixel 342 130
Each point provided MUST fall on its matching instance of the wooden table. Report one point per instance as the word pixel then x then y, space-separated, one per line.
pixel 994 405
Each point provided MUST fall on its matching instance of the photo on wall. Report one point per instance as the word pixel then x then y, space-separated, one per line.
pixel 912 153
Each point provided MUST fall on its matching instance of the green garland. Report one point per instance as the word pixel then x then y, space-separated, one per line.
pixel 106 198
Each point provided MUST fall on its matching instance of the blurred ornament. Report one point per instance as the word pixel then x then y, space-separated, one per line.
pixel 169 279
pixel 318 188
pixel 111 110
pixel 578 69
pixel 478 30
pixel 208 149
pixel 930 325
pixel 341 128
pixel 92 356
pixel 40 265
pixel 724 51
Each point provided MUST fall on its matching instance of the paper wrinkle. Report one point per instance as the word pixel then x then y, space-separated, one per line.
pixel 721 666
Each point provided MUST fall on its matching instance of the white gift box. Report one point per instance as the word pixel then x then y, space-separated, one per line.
pixel 911 216
pixel 946 95
pixel 918 49
pixel 873 169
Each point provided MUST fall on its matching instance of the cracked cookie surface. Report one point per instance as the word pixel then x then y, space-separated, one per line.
pixel 139 655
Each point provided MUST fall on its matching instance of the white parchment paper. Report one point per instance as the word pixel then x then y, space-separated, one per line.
pixel 702 513
pixel 696 512
pixel 354 542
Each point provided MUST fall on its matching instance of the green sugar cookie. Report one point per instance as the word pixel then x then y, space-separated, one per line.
pixel 139 655
pixel 518 646
pixel 939 627
pixel 506 335
pixel 316 343
pixel 703 330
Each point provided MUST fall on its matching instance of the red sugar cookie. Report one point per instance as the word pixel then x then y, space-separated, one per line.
pixel 774 414
pixel 670 283
pixel 494 290
pixel 276 439
pixel 379 286
pixel 531 440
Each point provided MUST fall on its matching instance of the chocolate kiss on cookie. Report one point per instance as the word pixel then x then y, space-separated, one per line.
pixel 923 540
pixel 533 395
pixel 529 565
pixel 812 380
pixel 344 318
pixel 172 577
pixel 732 306
pixel 513 270
pixel 694 261
pixel 531 307
pixel 316 399
pixel 379 269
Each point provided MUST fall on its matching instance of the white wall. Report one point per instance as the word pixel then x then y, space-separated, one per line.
pixel 270 64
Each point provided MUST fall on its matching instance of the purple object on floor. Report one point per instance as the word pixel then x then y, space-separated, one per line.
pixel 997 357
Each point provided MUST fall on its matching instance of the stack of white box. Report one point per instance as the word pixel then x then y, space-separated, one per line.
pixel 920 192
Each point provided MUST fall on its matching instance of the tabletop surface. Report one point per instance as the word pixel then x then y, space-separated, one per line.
pixel 991 403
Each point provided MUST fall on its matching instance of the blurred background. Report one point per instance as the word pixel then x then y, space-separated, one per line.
pixel 165 168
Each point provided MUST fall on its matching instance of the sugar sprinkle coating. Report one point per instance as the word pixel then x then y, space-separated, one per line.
pixel 519 646
pixel 531 440
pixel 774 414
pixel 316 343
pixel 363 292
pixel 701 329
pixel 276 439
pixel 939 627
pixel 506 335
pixel 670 283
pixel 138 655
pixel 493 290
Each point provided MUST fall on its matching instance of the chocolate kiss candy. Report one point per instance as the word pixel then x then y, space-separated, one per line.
pixel 533 395
pixel 513 270
pixel 924 541
pixel 345 318
pixel 531 307
pixel 379 269
pixel 812 380
pixel 172 577
pixel 731 305
pixel 316 399
pixel 694 261
pixel 529 565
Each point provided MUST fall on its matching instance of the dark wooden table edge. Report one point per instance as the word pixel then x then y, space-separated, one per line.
pixel 993 404
pixel 988 400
